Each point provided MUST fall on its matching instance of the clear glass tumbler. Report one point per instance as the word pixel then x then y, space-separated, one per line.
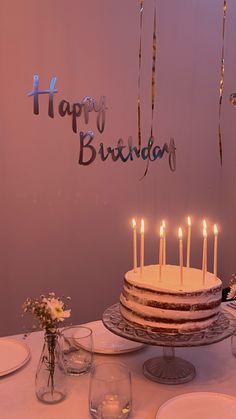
pixel 110 394
pixel 77 346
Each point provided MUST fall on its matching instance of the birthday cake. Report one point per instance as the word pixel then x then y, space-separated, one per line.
pixel 162 303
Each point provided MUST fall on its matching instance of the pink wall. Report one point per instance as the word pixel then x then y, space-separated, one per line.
pixel 65 227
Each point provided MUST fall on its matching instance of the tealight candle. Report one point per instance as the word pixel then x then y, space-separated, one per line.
pixel 164 241
pixel 180 234
pixel 161 250
pixel 215 228
pixel 111 407
pixel 142 245
pixel 134 243
pixel 188 242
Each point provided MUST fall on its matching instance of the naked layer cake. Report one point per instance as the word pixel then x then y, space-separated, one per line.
pixel 161 303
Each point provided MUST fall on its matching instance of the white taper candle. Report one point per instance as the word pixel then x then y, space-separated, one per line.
pixel 142 245
pixel 204 244
pixel 204 253
pixel 161 251
pixel 164 241
pixel 180 234
pixel 188 243
pixel 134 225
pixel 215 248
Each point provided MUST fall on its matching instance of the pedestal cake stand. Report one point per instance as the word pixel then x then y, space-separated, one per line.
pixel 169 369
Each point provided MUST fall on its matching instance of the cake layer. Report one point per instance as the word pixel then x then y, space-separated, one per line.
pixel 160 326
pixel 164 302
pixel 183 303
pixel 172 314
pixel 169 280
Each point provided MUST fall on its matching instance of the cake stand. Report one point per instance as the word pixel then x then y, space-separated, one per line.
pixel 169 369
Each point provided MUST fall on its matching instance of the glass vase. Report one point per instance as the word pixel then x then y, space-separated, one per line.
pixel 50 380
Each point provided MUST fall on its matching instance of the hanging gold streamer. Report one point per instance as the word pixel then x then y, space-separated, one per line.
pixel 222 70
pixel 154 40
pixel 139 75
pixel 153 79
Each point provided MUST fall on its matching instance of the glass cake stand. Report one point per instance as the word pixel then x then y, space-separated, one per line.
pixel 169 369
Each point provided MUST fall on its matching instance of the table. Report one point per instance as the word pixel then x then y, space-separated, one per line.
pixel 215 366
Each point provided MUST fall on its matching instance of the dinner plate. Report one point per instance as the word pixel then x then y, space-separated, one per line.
pixel 106 342
pixel 199 405
pixel 13 355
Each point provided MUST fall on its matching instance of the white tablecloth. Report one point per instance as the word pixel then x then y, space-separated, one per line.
pixel 215 366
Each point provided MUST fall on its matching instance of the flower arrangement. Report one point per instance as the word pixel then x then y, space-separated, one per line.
pixel 49 311
pixel 232 292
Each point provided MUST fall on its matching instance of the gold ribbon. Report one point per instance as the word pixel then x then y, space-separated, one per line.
pixel 222 70
pixel 153 78
pixel 154 40
pixel 139 74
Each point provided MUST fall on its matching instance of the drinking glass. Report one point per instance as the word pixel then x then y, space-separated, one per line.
pixel 110 395
pixel 77 347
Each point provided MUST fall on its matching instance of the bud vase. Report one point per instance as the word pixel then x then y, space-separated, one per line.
pixel 50 380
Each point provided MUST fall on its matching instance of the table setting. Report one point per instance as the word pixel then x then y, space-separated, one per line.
pixel 215 366
pixel 118 188
pixel 129 366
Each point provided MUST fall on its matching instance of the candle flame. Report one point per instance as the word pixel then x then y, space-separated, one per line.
pixel 180 233
pixel 163 224
pixel 161 230
pixel 142 226
pixel 133 223
pixel 215 228
pixel 204 232
pixel 189 221
pixel 204 224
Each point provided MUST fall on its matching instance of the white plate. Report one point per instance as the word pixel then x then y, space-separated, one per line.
pixel 106 342
pixel 13 355
pixel 199 405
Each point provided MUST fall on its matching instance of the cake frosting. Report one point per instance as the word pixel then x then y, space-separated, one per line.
pixel 163 304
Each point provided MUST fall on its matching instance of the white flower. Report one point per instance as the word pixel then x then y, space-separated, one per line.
pixel 55 307
pixel 232 293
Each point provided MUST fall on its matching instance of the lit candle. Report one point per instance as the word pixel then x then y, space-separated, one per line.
pixel 188 242
pixel 142 245
pixel 164 241
pixel 111 407
pixel 161 250
pixel 204 254
pixel 215 248
pixel 134 243
pixel 180 234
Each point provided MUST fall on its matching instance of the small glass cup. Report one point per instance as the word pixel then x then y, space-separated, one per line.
pixel 77 346
pixel 110 394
